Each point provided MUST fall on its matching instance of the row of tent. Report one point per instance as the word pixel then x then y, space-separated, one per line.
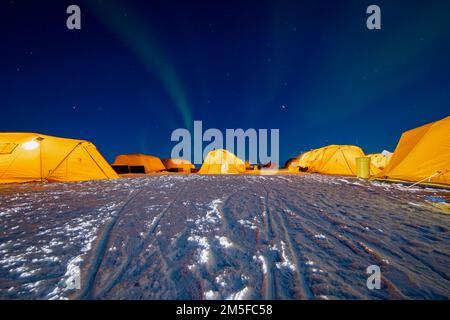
pixel 141 163
pixel 216 162
pixel 28 157
pixel 422 155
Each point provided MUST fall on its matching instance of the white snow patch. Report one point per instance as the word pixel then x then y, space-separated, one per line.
pixel 211 218
pixel 273 247
pixel 211 295
pixel 224 242
pixel 203 252
pixel 46 249
pixel 28 273
pixel 221 281
pixel 151 224
pixel 240 295
pixel 247 223
pixel 204 256
pixel 415 204
pixel 72 271
pixel 33 285
pixel 213 215
pixel 285 260
pixel 263 263
pixel 69 278
pixel 79 231
pixel 20 270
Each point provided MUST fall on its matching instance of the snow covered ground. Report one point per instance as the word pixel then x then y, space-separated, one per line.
pixel 223 237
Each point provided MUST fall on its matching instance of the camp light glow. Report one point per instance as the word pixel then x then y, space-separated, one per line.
pixel 30 145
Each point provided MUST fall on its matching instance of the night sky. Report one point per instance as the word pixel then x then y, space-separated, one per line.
pixel 140 69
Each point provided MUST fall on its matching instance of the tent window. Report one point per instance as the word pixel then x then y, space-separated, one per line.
pixel 7 148
pixel 137 169
pixel 128 169
pixel 121 169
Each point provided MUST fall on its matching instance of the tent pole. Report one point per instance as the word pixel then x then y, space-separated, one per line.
pixel 96 162
pixel 51 172
pixel 40 159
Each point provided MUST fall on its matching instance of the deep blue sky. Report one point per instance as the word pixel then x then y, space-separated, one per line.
pixel 139 69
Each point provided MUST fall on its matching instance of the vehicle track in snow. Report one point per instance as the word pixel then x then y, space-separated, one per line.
pixel 269 278
pixel 343 231
pixel 276 218
pixel 100 249
pixel 217 237
pixel 137 252
pixel 328 232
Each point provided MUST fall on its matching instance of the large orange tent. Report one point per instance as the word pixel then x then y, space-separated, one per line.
pixel 26 157
pixel 333 159
pixel 222 162
pixel 147 163
pixel 422 154
pixel 173 164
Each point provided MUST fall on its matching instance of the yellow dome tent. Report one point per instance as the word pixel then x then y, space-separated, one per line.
pixel 26 157
pixel 422 155
pixel 379 161
pixel 178 165
pixel 306 160
pixel 148 163
pixel 222 162
pixel 333 159
pixel 292 165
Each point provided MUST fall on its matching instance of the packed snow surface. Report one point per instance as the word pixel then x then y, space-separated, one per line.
pixel 223 237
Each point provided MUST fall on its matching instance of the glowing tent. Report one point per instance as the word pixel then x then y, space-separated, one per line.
pixel 181 165
pixel 222 162
pixel 139 163
pixel 26 157
pixel 333 159
pixel 422 154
